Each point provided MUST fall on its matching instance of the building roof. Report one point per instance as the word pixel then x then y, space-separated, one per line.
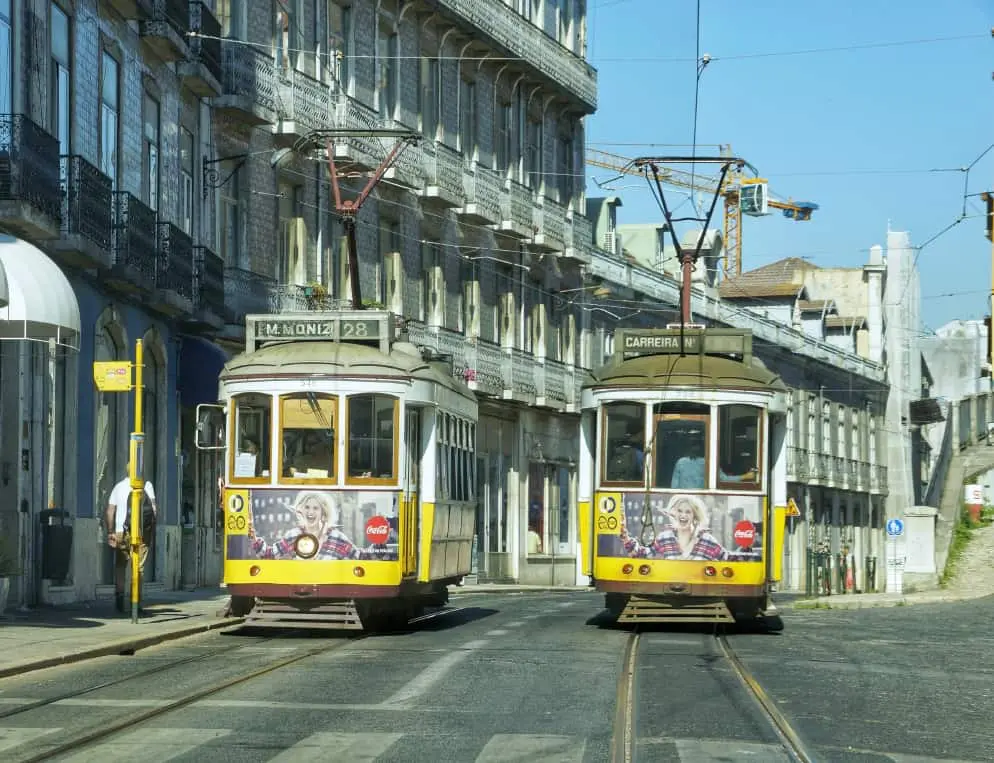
pixel 778 279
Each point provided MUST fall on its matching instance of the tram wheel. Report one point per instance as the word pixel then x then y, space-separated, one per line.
pixel 241 606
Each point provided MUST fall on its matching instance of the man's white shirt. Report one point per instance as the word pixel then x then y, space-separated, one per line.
pixel 120 499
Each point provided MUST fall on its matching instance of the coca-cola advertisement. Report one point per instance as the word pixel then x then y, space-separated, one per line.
pixel 319 525
pixel 680 526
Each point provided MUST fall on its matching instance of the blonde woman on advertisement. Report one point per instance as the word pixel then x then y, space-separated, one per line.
pixel 314 513
pixel 685 537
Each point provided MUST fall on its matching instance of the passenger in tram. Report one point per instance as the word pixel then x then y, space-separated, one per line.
pixel 687 535
pixel 315 516
pixel 316 451
pixel 688 472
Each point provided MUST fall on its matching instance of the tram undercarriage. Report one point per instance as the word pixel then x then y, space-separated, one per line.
pixel 386 613
pixel 630 609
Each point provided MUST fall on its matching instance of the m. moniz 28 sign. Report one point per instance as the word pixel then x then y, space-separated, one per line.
pixel 320 329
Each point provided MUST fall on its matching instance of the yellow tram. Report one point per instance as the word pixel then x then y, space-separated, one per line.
pixel 683 478
pixel 348 498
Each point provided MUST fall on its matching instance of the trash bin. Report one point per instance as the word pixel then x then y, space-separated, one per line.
pixel 56 544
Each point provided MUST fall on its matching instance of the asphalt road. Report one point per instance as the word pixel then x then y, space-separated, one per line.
pixel 533 677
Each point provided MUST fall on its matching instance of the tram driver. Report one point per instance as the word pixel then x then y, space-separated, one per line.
pixel 315 451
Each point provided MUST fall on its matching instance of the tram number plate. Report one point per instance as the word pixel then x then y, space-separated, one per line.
pixel 359 329
pixel 607 524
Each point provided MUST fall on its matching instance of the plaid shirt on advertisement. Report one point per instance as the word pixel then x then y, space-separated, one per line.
pixel 335 546
pixel 666 546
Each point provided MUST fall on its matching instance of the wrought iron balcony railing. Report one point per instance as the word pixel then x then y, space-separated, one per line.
pixel 174 261
pixel 208 280
pixel 205 43
pixel 29 165
pixel 135 246
pixel 87 202
pixel 248 81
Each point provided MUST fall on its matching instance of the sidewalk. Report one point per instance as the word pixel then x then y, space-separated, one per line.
pixel 48 636
pixel 973 579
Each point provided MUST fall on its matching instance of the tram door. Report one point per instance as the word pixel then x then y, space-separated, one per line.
pixel 409 519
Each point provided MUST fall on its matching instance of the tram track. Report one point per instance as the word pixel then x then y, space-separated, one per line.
pixel 128 723
pixel 624 736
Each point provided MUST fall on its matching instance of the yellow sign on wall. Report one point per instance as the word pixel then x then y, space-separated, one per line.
pixel 112 376
pixel 792 510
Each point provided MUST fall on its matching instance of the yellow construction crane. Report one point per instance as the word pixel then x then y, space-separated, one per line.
pixel 742 195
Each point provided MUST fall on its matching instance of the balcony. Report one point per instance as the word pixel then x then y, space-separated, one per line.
pixel 297 298
pixel 548 226
pixel 863 479
pixel 132 10
pixel 303 105
pixel 364 153
pixel 579 240
pixel 482 189
pixel 201 72
pixel 87 215
pixel 164 33
pixel 408 168
pixel 173 271
pixel 135 250
pixel 245 293
pixel 553 385
pixel 443 176
pixel 797 465
pixel 838 470
pixel 878 479
pixel 208 290
pixel 248 84
pixel 516 202
pixel 499 24
pixel 30 192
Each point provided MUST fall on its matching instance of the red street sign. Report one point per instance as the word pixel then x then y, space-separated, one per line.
pixel 377 530
pixel 745 534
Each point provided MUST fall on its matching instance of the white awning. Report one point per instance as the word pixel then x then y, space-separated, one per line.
pixel 41 302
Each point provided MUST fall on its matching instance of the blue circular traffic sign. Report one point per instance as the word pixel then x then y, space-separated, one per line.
pixel 895 527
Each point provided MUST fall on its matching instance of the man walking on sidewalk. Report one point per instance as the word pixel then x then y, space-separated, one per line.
pixel 118 519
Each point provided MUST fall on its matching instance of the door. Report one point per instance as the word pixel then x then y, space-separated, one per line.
pixel 409 507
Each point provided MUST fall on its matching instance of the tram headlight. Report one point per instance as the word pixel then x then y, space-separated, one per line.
pixel 627 569
pixel 727 572
pixel 710 571
pixel 306 545
pixel 254 570
pixel 358 571
pixel 645 569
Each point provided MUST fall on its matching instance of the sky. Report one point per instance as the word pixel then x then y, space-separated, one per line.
pixel 859 129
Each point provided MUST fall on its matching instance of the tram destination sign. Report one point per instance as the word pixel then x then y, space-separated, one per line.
pixel 634 343
pixel 318 328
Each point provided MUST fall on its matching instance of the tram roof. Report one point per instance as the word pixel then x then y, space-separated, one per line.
pixel 700 371
pixel 404 361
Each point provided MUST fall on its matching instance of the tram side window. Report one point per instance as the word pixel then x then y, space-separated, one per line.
pixel 739 443
pixel 624 443
pixel 253 419
pixel 308 435
pixel 372 433
pixel 680 446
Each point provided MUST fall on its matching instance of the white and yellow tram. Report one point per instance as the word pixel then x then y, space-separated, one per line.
pixel 348 498
pixel 683 477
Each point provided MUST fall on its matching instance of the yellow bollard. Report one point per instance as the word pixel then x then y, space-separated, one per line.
pixel 137 487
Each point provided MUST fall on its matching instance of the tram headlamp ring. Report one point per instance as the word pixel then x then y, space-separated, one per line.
pixel 627 569
pixel 306 545
pixel 727 572
pixel 710 571
pixel 645 569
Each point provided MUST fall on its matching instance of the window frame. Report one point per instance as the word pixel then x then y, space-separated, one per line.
pixel 332 477
pixel 702 417
pixel 604 481
pixel 753 487
pixel 397 441
pixel 235 434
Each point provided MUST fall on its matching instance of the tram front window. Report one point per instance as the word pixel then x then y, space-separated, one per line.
pixel 739 465
pixel 308 435
pixel 251 445
pixel 624 443
pixel 680 446
pixel 371 434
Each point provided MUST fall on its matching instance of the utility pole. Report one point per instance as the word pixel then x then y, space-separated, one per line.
pixel 988 198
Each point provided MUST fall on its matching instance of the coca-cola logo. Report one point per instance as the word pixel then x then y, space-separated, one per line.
pixel 744 534
pixel 377 530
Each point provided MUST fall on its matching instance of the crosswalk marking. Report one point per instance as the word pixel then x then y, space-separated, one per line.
pixel 149 745
pixel 532 748
pixel 15 737
pixel 428 677
pixel 348 748
pixel 712 751
pixel 159 745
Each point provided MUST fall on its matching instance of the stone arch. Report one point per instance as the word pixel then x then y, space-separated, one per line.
pixel 110 421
